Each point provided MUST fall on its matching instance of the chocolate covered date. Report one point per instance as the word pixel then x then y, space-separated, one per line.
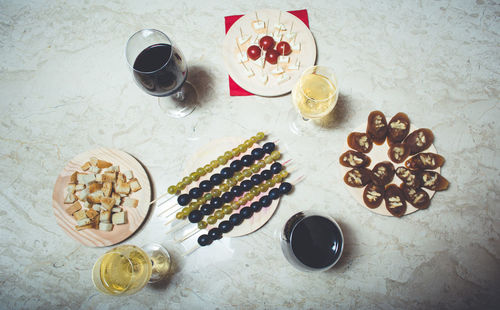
pixel 425 161
pixel 360 142
pixel 434 181
pixel 377 127
pixel 357 177
pixel 417 197
pixel 383 173
pixel 398 128
pixel 394 200
pixel 410 178
pixel 373 195
pixel 419 140
pixel 354 159
pixel 398 152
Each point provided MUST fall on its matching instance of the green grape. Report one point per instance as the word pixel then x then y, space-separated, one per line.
pixel 207 197
pixel 255 168
pixel 276 178
pixel 239 176
pixel 201 171
pixel 228 155
pixel 261 164
pixel 247 172
pixel 239 203
pixel 222 160
pixel 234 205
pixel 195 176
pixel 231 182
pixel 275 155
pixel 243 200
pixel 172 190
pixel 202 224
pixel 268 160
pixel 242 148
pixel 211 220
pixel 253 139
pixel 179 215
pixel 271 183
pixel 248 143
pixel 283 173
pixel 254 191
pixel 214 164
pixel 208 168
pixel 227 209
pixel 219 214
pixel 260 135
pixel 265 186
pixel 197 204
pixel 202 200
pixel 181 185
pixel 216 192
pixel 224 187
pixel 191 205
pixel 260 188
pixel 185 211
pixel 249 196
pixel 187 180
pixel 235 152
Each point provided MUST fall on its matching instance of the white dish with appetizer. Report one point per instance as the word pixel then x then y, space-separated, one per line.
pixel 265 51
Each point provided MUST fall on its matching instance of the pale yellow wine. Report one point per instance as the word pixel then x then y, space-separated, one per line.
pixel 126 269
pixel 315 96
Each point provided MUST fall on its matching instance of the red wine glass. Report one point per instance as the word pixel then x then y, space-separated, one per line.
pixel 160 69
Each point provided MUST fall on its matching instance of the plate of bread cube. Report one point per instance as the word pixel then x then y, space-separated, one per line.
pixel 101 197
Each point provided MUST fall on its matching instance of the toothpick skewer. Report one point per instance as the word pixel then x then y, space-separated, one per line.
pixel 256 17
pixel 267 27
pixel 238 45
pixel 196 247
pixel 241 32
pixel 291 27
pixel 161 196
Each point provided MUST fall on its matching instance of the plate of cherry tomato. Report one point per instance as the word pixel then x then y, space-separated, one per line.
pixel 266 51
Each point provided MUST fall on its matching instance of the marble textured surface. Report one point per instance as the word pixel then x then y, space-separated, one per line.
pixel 65 88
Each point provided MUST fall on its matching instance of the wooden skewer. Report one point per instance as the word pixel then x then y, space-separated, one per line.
pixel 177 227
pixel 241 32
pixel 291 27
pixel 256 17
pixel 196 247
pixel 161 196
pixel 238 45
pixel 267 27
pixel 190 234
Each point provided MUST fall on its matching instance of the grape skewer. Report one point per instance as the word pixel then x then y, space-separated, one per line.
pixel 267 148
pixel 227 226
pixel 221 160
pixel 268 184
pixel 237 177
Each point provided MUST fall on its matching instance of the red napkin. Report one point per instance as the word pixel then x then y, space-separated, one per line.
pixel 235 89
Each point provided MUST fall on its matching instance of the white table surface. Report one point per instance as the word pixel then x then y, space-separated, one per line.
pixel 65 88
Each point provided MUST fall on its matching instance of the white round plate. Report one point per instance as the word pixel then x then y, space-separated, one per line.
pixel 135 216
pixel 210 152
pixel 306 55
pixel 378 154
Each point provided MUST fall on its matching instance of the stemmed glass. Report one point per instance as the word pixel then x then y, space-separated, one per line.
pixel 314 96
pixel 159 68
pixel 126 269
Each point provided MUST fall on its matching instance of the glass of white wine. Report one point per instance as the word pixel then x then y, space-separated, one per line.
pixel 126 269
pixel 314 96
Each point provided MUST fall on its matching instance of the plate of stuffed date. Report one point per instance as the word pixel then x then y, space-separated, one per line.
pixel 392 167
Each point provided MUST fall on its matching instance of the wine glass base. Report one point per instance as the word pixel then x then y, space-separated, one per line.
pixel 160 259
pixel 180 104
pixel 299 125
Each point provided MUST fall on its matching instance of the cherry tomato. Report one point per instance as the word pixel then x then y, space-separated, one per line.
pixel 266 42
pixel 272 56
pixel 253 52
pixel 283 48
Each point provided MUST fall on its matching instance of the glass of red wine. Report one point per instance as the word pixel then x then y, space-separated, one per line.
pixel 312 241
pixel 159 68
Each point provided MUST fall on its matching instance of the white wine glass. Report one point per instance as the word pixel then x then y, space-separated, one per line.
pixel 160 69
pixel 126 269
pixel 314 96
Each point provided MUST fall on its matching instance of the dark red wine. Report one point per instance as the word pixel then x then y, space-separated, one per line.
pixel 316 242
pixel 160 70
